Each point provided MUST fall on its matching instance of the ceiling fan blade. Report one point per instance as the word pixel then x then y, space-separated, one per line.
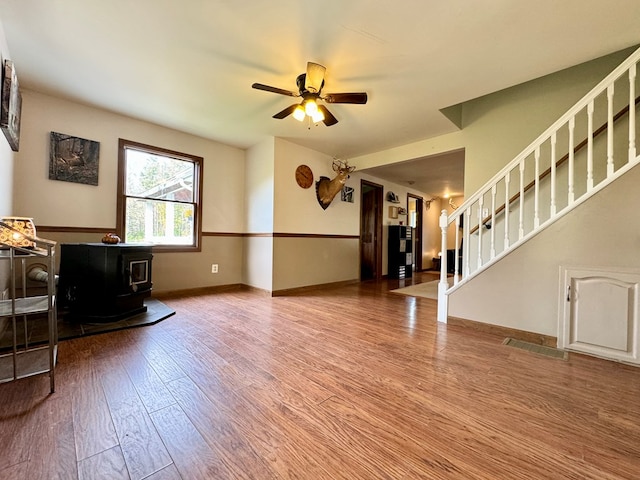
pixel 359 97
pixel 315 77
pixel 267 88
pixel 329 119
pixel 286 112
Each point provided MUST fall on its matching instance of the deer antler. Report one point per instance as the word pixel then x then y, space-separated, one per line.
pixel 342 165
pixel 326 189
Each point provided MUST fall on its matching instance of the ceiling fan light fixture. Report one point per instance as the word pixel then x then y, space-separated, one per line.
pixel 317 117
pixel 299 113
pixel 310 107
pixel 310 86
pixel 314 78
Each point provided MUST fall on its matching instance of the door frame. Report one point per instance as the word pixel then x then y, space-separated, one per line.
pixel 377 240
pixel 418 234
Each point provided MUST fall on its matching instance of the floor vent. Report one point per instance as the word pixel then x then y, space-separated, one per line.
pixel 539 349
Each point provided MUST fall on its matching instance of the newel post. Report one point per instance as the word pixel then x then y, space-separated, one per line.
pixel 443 285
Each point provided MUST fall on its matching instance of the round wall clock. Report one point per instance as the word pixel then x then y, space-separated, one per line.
pixel 304 176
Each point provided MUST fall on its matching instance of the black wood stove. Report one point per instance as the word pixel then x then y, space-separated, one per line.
pixel 104 283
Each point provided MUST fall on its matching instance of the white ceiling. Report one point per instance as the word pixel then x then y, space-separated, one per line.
pixel 437 175
pixel 189 64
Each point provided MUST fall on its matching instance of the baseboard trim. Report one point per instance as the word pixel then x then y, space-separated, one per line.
pixel 259 291
pixel 194 292
pixel 241 286
pixel 310 288
pixel 531 337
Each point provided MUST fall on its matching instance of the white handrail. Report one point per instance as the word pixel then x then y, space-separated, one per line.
pixel 579 185
pixel 593 93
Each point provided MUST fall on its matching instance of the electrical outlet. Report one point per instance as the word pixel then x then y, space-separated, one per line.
pixel 214 268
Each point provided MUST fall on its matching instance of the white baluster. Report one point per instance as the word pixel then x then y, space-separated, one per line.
pixel 480 229
pixel 456 256
pixel 466 234
pixel 493 221
pixel 507 181
pixel 570 192
pixel 521 202
pixel 552 208
pixel 590 145
pixel 443 286
pixel 536 190
pixel 632 113
pixel 610 130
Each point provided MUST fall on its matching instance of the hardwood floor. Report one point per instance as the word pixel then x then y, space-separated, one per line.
pixel 349 383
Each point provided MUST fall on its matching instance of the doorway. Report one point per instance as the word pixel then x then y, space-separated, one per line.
pixel 414 220
pixel 371 198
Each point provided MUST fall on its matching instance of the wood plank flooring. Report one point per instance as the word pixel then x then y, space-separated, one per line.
pixel 346 383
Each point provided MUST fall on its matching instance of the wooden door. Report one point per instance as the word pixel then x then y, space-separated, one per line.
pixel 600 314
pixel 370 231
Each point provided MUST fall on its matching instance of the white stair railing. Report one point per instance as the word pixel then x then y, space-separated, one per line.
pixel 520 201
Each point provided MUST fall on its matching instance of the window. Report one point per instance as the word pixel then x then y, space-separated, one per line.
pixel 159 197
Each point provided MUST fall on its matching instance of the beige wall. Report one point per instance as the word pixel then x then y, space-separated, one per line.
pixel 6 178
pixel 6 172
pixel 258 187
pixel 257 253
pixel 6 154
pixel 76 205
pixel 521 291
pixel 301 261
pixel 304 256
pixel 499 126
pixel 496 127
pixel 66 204
pixel 275 205
pixel 254 192
pixel 296 210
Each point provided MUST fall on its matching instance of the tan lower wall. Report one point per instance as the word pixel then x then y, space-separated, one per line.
pixel 181 271
pixel 258 262
pixel 296 261
pixel 178 271
pixel 300 262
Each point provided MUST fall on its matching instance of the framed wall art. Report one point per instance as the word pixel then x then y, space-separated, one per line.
pixel 10 105
pixel 346 194
pixel 73 159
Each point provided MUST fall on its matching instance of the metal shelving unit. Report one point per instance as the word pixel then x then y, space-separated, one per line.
pixel 23 358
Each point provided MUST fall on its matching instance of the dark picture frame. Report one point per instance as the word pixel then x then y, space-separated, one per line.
pixel 10 105
pixel 73 159
pixel 346 194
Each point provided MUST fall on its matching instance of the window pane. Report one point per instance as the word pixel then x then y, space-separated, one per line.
pixel 159 222
pixel 156 176
pixel 159 195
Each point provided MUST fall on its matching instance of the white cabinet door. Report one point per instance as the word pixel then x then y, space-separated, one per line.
pixel 599 313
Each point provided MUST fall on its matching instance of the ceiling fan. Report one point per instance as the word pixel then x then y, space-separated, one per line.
pixel 309 88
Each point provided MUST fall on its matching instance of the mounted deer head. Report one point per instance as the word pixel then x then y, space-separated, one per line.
pixel 326 189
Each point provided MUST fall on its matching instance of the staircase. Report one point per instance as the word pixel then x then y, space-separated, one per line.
pixel 585 150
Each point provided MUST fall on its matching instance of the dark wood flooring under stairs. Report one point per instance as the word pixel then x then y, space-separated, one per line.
pixel 348 383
